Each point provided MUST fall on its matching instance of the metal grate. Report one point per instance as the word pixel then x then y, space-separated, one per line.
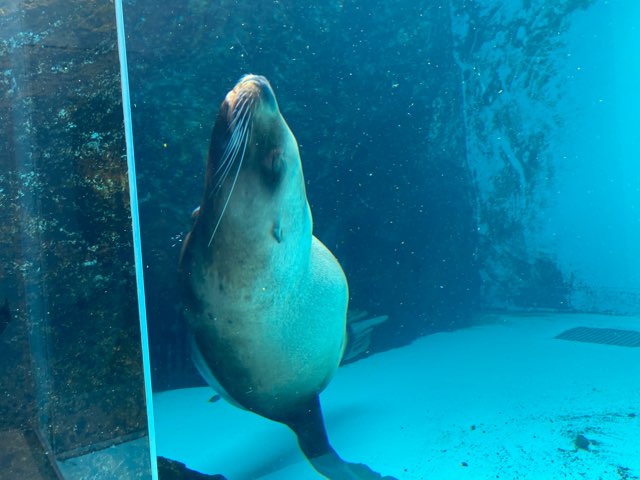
pixel 607 336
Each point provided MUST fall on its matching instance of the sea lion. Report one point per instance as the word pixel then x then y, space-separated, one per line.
pixel 265 300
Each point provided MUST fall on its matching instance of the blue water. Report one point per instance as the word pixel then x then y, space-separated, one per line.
pixel 460 157
pixel 483 152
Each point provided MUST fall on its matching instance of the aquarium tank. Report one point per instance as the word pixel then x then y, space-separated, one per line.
pixel 301 240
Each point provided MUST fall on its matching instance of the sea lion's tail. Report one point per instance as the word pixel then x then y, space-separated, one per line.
pixel 314 443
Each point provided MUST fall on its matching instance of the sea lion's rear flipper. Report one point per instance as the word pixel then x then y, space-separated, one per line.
pixel 359 330
pixel 308 425
pixel 338 469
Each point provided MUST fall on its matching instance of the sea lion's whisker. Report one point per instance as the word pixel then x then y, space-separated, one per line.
pixel 233 146
pixel 239 113
pixel 234 157
pixel 240 106
pixel 231 156
pixel 235 179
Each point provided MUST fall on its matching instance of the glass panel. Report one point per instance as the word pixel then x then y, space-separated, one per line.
pixel 473 166
pixel 70 359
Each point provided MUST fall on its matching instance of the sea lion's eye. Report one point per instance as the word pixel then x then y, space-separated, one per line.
pixel 274 161
pixel 274 166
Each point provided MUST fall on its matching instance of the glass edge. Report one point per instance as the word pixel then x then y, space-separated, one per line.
pixel 135 221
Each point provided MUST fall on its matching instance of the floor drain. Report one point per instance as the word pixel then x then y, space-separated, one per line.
pixel 606 336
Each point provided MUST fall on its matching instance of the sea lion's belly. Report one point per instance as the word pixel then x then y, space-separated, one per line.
pixel 273 345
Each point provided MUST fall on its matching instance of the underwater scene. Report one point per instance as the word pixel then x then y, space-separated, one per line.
pixel 460 177
pixel 276 240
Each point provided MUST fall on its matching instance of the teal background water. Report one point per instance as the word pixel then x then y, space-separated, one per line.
pixel 459 156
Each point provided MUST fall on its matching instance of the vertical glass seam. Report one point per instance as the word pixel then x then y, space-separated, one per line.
pixel 135 222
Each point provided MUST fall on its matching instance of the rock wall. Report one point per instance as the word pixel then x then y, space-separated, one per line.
pixel 510 58
pixel 70 353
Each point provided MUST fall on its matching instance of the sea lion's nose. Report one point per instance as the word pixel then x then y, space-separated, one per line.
pixel 258 80
pixel 260 84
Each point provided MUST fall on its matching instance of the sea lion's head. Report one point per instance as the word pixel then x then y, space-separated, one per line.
pixel 253 160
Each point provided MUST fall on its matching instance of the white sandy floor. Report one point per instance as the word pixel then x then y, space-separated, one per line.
pixel 500 400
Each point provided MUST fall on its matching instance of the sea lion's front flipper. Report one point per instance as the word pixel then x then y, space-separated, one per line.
pixel 308 425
